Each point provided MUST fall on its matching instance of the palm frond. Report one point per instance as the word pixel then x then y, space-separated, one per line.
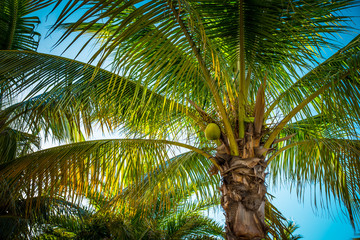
pixel 122 166
pixel 340 73
pixel 275 221
pixel 327 165
pixel 192 226
pixel 147 45
pixel 338 83
pixel 77 93
pixel 183 176
pixel 182 218
pixel 18 26
pixel 14 143
pixel 18 222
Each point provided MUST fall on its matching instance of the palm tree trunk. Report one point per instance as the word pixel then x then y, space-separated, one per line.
pixel 243 190
pixel 243 199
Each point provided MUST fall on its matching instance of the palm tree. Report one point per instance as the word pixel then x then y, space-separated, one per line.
pixel 128 159
pixel 247 73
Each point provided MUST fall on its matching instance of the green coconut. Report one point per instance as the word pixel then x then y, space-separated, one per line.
pixel 212 131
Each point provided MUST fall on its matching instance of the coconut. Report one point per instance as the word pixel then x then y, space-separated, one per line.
pixel 212 131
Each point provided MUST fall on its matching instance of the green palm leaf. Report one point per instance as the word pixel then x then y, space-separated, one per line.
pixel 18 26
pixel 327 165
pixel 103 97
pixel 16 143
pixel 111 166
pixel 340 73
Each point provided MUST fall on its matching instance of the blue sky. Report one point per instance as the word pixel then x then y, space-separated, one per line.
pixel 314 225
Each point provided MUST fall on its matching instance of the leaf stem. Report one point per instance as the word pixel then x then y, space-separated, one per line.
pixel 12 27
pixel 241 68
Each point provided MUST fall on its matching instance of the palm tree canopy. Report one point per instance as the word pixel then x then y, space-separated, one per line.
pixel 192 54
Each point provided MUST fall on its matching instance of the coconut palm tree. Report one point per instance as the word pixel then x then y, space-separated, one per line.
pixel 55 171
pixel 249 74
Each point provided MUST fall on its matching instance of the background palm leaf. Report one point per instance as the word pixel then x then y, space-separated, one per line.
pixel 17 24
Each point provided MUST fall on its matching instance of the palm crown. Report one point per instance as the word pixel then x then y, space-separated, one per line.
pixel 183 65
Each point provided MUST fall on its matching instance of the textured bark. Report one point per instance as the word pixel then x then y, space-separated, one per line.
pixel 243 199
pixel 243 189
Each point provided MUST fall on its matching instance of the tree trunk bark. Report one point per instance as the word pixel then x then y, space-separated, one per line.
pixel 243 199
pixel 243 190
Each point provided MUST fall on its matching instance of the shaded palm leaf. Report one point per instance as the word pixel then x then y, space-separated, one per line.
pixel 18 26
